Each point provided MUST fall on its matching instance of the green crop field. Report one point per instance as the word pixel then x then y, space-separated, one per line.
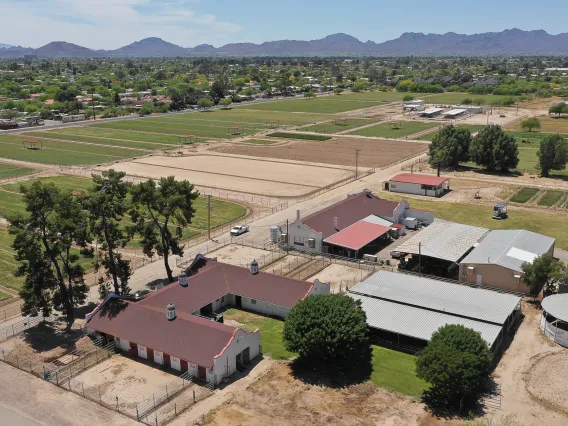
pixel 143 147
pixel 259 142
pixel 64 153
pixel 4 296
pixel 457 98
pixel 386 130
pixel 299 136
pixel 8 171
pixel 99 132
pixel 551 197
pixel 330 104
pixel 337 126
pixel 524 195
pixel 67 182
pixel 473 128
pixel 542 222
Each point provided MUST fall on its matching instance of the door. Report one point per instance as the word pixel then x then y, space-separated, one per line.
pixel 159 357
pixel 479 279
pixel 238 301
pixel 207 310
pixel 167 361
pixel 142 351
pixel 246 356
pixel 184 365
pixel 201 372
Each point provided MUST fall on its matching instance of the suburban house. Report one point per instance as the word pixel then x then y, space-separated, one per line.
pixel 361 224
pixel 409 183
pixel 497 259
pixel 179 326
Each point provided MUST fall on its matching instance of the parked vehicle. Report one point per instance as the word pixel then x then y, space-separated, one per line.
pixel 239 230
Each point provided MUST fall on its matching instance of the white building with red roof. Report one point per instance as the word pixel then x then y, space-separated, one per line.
pixel 177 326
pixel 411 183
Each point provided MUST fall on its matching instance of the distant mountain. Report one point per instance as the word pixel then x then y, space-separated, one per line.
pixel 5 46
pixel 152 46
pixel 513 41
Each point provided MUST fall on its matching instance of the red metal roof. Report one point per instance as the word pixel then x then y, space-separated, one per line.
pixel 357 235
pixel 419 179
pixel 349 211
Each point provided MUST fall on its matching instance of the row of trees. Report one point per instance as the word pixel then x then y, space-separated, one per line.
pixel 56 238
pixel 493 149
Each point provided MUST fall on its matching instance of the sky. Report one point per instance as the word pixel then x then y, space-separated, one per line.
pixel 110 24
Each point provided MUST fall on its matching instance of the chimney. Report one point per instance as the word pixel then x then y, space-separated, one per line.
pixel 335 224
pixel 254 267
pixel 297 214
pixel 183 281
pixel 171 311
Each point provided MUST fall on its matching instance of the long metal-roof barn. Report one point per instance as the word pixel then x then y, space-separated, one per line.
pixel 405 309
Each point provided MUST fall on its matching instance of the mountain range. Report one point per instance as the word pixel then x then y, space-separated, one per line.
pixel 507 42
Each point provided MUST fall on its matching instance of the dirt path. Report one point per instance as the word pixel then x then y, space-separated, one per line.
pixel 528 346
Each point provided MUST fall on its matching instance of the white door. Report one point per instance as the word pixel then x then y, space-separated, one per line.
pixel 479 279
pixel 175 362
pixel 142 352
pixel 159 357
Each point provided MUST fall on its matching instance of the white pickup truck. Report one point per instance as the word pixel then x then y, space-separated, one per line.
pixel 239 230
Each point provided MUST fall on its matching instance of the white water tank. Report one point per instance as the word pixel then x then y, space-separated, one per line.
pixel 274 234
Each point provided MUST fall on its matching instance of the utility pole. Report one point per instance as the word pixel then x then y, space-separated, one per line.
pixel 287 236
pixel 209 207
pixel 93 103
pixel 357 163
pixel 419 258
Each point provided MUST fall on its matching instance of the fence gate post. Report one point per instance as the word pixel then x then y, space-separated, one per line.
pixel 193 396
pixel 137 416
pixel 56 378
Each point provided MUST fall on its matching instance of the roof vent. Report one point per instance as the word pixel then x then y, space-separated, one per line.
pixel 367 192
pixel 183 281
pixel 254 267
pixel 171 311
pixel 335 223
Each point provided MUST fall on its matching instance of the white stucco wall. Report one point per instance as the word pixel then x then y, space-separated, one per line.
pixel 225 364
pixel 424 216
pixel 264 308
pixel 414 188
pixel 122 344
pixel 301 231
pixel 320 288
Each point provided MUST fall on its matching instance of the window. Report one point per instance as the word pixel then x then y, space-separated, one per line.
pixel 393 185
pixel 299 241
pixel 253 301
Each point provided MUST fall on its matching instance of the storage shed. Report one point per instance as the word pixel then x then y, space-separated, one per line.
pixel 554 318
pixel 410 183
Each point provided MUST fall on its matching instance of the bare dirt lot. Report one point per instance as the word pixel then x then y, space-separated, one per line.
pixel 547 381
pixel 340 276
pixel 129 380
pixel 339 150
pixel 279 399
pixel 238 255
pixel 240 174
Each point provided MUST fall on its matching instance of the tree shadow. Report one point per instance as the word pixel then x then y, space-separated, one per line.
pixel 82 311
pixel 334 374
pixel 47 336
pixel 112 308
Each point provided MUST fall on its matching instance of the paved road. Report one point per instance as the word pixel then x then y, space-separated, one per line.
pixel 9 416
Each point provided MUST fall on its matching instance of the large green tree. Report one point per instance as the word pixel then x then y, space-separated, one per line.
pixel 552 154
pixel 44 240
pixel 494 149
pixel 530 124
pixel 217 91
pixel 159 212
pixel 450 146
pixel 543 272
pixel 455 362
pixel 328 329
pixel 106 202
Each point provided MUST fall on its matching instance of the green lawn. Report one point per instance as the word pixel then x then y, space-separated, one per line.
pixel 386 130
pixel 524 195
pixel 396 371
pixel 299 136
pixel 456 98
pixel 63 153
pixel 259 142
pixel 323 104
pixel 473 128
pixel 144 147
pixel 271 331
pixel 543 222
pixel 12 171
pixel 68 182
pixel 4 296
pixel 551 197
pixel 337 126
pixel 99 132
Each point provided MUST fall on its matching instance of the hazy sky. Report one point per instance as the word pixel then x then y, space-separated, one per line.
pixel 109 24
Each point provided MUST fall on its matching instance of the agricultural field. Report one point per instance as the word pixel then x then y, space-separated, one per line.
pixel 524 195
pixel 8 171
pixel 299 136
pixel 63 153
pixel 339 151
pixel 388 130
pixel 543 222
pixel 457 98
pixel 550 124
pixel 550 198
pixel 473 128
pixel 7 262
pixel 336 126
pixel 259 142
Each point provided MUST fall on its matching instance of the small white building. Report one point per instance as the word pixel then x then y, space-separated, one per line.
pixel 554 318
pixel 409 183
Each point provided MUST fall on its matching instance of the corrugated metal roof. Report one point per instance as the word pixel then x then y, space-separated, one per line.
pixel 419 179
pixel 416 322
pixel 357 235
pixel 377 220
pixel 557 306
pixel 510 248
pixel 434 295
pixel 444 240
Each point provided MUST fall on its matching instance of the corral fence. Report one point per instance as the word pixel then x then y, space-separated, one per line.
pixel 22 325
pixel 10 311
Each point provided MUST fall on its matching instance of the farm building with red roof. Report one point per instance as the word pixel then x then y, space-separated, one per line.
pixel 410 183
pixel 178 325
pixel 360 224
